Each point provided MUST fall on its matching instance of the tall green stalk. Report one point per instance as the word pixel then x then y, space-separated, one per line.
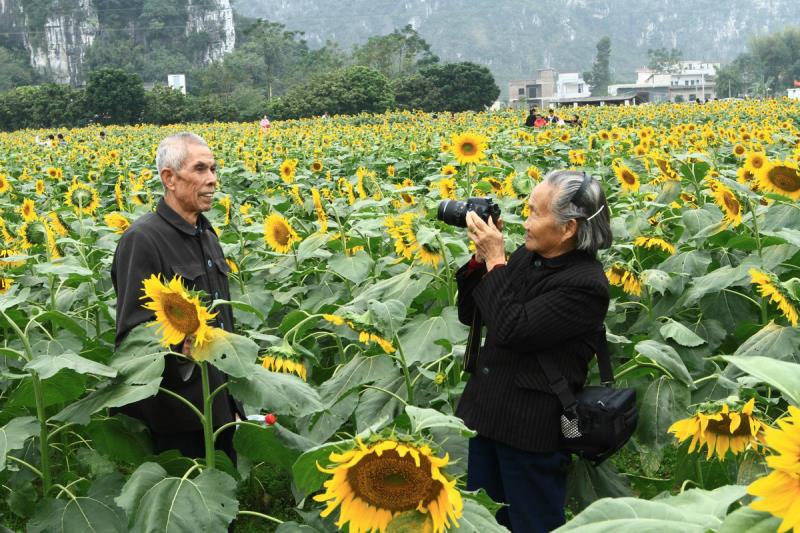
pixel 208 427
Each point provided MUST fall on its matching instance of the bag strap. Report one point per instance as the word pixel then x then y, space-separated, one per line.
pixel 559 384
pixel 473 342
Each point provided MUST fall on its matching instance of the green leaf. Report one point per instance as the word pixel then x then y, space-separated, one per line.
pixel 83 513
pixel 155 501
pixel 276 392
pixel 62 320
pixel 305 474
pixel 310 247
pixel 67 267
pixel 233 354
pixel 667 357
pixel 411 521
pixel 121 437
pixel 792 236
pixel 420 336
pixel 48 366
pixel 587 483
pixel 696 220
pixel 403 287
pixel 774 341
pixel 389 315
pixel 782 375
pixel 140 358
pixel 112 395
pixel 12 298
pixel 664 402
pixel 375 405
pixel 355 268
pixel 680 334
pixel 358 371
pixel 14 434
pixel 715 502
pixel 425 418
pixel 658 280
pixel 476 518
pixel 747 520
pixel 261 444
pixel 240 306
pixel 715 281
pixel 62 388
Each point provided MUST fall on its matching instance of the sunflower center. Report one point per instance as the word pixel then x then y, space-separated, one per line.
pixel 731 203
pixel 628 178
pixel 181 313
pixel 785 178
pixel 722 427
pixel 393 482
pixel 281 234
pixel 468 148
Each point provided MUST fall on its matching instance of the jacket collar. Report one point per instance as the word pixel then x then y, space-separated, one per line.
pixel 573 256
pixel 177 221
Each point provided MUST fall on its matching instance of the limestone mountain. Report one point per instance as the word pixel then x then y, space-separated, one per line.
pixel 514 37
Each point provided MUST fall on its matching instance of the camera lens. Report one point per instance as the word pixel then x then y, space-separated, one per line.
pixel 453 212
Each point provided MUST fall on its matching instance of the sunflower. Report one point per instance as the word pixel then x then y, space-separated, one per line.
pixel 55 173
pixel 727 201
pixel 82 198
pixel 628 179
pixel 407 198
pixel 287 170
pixel 232 265
pixel 534 173
pixel 56 224
pixel 577 157
pixel 447 188
pixel 719 429
pixel 10 252
pixel 621 277
pixel 372 483
pixel 739 150
pixel 283 359
pixel 118 222
pixel 780 178
pixel 316 166
pixel 428 255
pixel 322 218
pixel 771 288
pixel 225 201
pixel 39 187
pixel 5 284
pixel 755 161
pixel 390 171
pixel 178 313
pixel 118 195
pixel 469 147
pixel 448 170
pixel 278 233
pixel 336 320
pixel 5 185
pixel 28 210
pixel 654 242
pixel 780 490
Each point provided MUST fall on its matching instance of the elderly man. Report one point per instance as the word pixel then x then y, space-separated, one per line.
pixel 546 302
pixel 177 240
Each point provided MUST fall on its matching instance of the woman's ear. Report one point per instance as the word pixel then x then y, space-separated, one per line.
pixel 570 230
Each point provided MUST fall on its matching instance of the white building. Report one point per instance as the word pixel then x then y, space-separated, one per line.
pixel 571 85
pixel 546 89
pixel 687 82
pixel 794 94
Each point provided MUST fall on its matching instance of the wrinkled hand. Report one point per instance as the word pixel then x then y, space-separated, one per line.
pixel 186 349
pixel 488 239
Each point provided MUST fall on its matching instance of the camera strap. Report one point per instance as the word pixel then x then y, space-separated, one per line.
pixel 473 342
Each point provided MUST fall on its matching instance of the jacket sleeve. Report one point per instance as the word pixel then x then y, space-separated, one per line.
pixel 135 260
pixel 577 308
pixel 467 279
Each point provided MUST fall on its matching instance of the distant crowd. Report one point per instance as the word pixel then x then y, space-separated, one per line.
pixel 538 120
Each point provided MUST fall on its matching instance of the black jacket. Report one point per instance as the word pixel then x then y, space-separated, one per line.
pixel 532 308
pixel 164 243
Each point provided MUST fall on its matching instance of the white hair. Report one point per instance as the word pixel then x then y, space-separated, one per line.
pixel 171 152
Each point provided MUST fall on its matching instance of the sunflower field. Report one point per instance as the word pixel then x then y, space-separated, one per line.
pixel 348 351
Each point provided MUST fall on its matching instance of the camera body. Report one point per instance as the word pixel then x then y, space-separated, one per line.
pixel 454 212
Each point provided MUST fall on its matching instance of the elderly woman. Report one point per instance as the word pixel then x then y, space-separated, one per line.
pixel 548 301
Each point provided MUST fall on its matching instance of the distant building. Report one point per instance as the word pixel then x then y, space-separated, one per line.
pixel 794 94
pixel 177 82
pixel 687 82
pixel 547 88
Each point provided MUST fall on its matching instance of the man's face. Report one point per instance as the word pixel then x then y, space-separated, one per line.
pixel 543 234
pixel 194 184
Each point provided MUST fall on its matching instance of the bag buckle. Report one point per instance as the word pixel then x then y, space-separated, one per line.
pixel 562 390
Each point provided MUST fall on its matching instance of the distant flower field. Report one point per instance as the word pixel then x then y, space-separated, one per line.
pixel 343 290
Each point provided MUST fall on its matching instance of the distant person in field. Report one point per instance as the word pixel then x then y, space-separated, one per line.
pixel 551 116
pixel 540 122
pixel 177 240
pixel 264 124
pixel 531 118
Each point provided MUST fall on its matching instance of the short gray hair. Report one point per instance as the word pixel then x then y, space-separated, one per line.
pixel 590 210
pixel 171 152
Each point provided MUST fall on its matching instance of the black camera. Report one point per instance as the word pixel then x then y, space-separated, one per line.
pixel 454 212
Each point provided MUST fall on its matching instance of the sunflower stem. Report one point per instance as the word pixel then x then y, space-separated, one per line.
pixel 406 374
pixel 208 429
pixel 262 515
pixel 448 281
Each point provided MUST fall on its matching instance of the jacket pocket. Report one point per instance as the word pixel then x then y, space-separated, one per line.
pixel 190 272
pixel 222 265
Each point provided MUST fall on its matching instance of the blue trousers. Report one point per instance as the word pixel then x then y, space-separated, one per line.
pixel 532 485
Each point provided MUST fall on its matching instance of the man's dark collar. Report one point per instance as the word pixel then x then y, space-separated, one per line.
pixel 169 214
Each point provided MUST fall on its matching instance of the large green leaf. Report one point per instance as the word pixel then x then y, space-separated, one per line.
pixel 66 267
pixel 747 520
pixel 587 483
pixel 667 357
pixel 123 438
pixel 112 395
pixel 380 403
pixel 14 434
pixel 420 337
pixel 83 513
pixel 404 287
pixel 715 281
pixel 233 354
pixel 782 375
pixel 48 366
pixel 276 392
pixel 355 268
pixel 664 402
pixel 424 418
pixel 155 501
pixel 778 342
pixel 262 443
pixel 476 518
pixel 681 334
pixel 305 474
pixel 693 263
pixel 62 388
pixel 139 358
pixel 311 247
pixel 687 512
pixel 358 371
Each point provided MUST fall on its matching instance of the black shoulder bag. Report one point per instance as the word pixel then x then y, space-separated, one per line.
pixel 599 420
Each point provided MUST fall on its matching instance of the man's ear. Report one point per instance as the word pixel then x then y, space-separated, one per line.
pixel 168 179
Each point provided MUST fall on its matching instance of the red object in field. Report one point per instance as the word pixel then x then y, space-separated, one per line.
pixel 270 419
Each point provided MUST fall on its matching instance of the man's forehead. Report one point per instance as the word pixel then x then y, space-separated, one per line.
pixel 198 152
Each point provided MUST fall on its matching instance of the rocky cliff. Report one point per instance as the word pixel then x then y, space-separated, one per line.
pixel 56 34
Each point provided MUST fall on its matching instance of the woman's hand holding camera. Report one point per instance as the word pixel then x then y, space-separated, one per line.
pixel 488 239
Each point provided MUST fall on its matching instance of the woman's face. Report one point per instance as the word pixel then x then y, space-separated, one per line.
pixel 544 235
